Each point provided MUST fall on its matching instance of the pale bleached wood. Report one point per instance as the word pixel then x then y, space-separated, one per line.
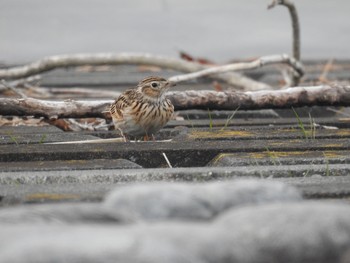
pixel 296 32
pixel 326 95
pixel 258 63
pixel 74 60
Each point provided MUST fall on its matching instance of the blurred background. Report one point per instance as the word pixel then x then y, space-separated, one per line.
pixel 218 30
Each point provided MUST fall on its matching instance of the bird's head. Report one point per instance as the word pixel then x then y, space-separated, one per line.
pixel 154 87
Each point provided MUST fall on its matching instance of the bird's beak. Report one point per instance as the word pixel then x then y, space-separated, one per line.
pixel 170 84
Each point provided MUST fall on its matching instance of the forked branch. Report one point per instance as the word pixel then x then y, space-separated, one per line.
pixel 296 31
pixel 62 61
pixel 224 72
pixel 295 24
pixel 295 65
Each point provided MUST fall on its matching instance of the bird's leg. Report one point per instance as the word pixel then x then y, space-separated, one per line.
pixel 146 138
pixel 125 138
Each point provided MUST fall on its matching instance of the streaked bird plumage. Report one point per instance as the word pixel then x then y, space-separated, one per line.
pixel 144 110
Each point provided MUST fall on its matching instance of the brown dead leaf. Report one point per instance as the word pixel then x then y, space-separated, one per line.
pixel 188 57
pixel 61 123
pixel 22 121
pixel 217 86
pixel 327 68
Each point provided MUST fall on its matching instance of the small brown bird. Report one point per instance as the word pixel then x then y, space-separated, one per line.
pixel 144 110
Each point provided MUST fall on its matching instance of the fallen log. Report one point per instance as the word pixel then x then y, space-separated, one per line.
pixel 325 95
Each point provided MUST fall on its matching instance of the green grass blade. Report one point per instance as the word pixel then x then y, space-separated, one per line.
pixel 229 119
pixel 210 120
pixel 300 123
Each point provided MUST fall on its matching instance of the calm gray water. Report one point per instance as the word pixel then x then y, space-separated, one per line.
pixel 219 30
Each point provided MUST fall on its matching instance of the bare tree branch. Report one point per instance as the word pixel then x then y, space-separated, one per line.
pixel 25 88
pixel 293 97
pixel 295 24
pixel 13 88
pixel 69 93
pixel 61 61
pixel 267 60
pixel 286 98
pixel 53 109
pixel 296 30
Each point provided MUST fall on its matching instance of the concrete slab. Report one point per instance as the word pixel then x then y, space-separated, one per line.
pixel 92 186
pixel 195 174
pixel 68 165
pixel 280 158
pixel 149 154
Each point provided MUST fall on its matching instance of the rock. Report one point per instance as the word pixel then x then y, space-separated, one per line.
pixel 91 243
pixel 181 201
pixel 158 201
pixel 305 231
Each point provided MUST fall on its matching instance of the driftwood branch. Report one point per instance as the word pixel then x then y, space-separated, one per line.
pixel 324 95
pixel 293 97
pixel 296 29
pixel 13 88
pixel 70 93
pixel 53 109
pixel 295 24
pixel 62 61
pixel 267 60
pixel 29 87
pixel 263 61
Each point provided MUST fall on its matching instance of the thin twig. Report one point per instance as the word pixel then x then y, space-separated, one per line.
pixel 295 24
pixel 66 93
pixel 12 87
pixel 167 160
pixel 296 30
pixel 326 69
pixel 109 140
pixel 339 112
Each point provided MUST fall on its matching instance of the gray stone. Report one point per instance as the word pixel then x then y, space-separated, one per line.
pixel 296 232
pixel 91 243
pixel 288 232
pixel 159 201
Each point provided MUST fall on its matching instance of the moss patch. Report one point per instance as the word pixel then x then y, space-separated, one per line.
pixel 219 134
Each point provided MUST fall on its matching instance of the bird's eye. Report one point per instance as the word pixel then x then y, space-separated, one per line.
pixel 154 85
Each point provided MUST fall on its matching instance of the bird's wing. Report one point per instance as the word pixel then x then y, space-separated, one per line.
pixel 121 103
